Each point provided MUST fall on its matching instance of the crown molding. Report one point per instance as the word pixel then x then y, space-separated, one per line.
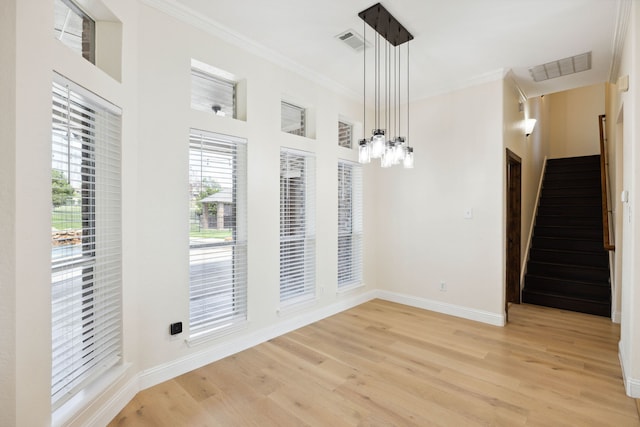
pixel 622 25
pixel 204 23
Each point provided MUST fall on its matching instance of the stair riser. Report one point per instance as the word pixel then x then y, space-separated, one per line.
pixel 565 221
pixel 567 244
pixel 573 232
pixel 568 182
pixel 598 309
pixel 571 192
pixel 569 272
pixel 571 201
pixel 577 211
pixel 587 259
pixel 591 159
pixel 568 288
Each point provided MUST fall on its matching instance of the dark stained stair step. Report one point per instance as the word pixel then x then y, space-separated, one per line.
pixel 585 245
pixel 568 231
pixel 578 210
pixel 571 191
pixel 596 275
pixel 549 299
pixel 573 161
pixel 571 200
pixel 593 259
pixel 567 287
pixel 569 221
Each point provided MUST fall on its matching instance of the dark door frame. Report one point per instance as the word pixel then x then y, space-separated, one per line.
pixel 513 230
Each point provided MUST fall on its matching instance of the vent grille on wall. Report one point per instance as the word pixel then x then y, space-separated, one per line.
pixel 352 39
pixel 561 67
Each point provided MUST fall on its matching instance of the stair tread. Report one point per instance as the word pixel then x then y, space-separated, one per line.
pixel 566 238
pixel 564 296
pixel 591 267
pixel 573 281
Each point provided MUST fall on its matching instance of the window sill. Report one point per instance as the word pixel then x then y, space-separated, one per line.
pixel 217 333
pixel 297 305
pixel 348 288
pixel 84 397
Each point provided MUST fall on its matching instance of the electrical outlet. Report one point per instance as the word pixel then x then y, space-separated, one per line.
pixel 175 328
pixel 443 286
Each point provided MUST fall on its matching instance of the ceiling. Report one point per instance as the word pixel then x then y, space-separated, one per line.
pixel 458 43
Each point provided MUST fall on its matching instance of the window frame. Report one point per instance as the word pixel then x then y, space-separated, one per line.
pixel 297 227
pixel 350 225
pixel 300 130
pixel 88 36
pixel 350 133
pixel 86 343
pixel 217 83
pixel 218 281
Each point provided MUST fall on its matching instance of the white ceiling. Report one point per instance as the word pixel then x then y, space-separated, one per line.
pixel 457 43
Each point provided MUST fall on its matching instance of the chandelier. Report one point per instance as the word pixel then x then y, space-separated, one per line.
pixel 387 84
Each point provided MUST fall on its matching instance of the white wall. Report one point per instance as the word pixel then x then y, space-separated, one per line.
pixel 532 151
pixel 154 94
pixel 629 106
pixel 421 236
pixel 166 47
pixel 7 212
pixel 574 121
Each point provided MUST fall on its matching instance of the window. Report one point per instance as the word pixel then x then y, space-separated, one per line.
pixel 293 119
pixel 217 232
pixel 74 28
pixel 297 226
pixel 345 131
pixel 349 224
pixel 86 239
pixel 212 93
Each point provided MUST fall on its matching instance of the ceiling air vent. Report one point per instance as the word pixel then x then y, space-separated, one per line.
pixel 561 67
pixel 352 39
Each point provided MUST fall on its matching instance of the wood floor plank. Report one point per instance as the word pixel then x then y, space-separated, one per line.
pixel 386 364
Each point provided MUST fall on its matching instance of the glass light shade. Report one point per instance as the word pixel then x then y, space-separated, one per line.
pixel 529 124
pixel 408 158
pixel 364 152
pixel 377 144
pixel 398 151
pixel 387 158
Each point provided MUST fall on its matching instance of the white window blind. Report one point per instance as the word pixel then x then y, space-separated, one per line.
pixel 345 131
pixel 217 232
pixel 292 119
pixel 350 245
pixel 86 255
pixel 74 28
pixel 209 91
pixel 297 226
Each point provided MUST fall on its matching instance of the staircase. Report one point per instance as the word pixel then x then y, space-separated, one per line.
pixel 568 267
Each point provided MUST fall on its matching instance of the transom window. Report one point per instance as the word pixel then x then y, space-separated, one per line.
pixel 345 134
pixel 212 93
pixel 74 28
pixel 293 119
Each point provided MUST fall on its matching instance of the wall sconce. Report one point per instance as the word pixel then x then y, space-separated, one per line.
pixel 529 124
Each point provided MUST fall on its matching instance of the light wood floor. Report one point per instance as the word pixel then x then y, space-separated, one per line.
pixel 384 364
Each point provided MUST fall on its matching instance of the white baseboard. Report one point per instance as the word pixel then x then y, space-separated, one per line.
pixel 445 308
pixel 167 371
pixel 115 403
pixel 616 317
pixel 631 385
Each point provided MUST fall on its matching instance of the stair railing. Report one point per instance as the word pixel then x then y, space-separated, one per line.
pixel 604 189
